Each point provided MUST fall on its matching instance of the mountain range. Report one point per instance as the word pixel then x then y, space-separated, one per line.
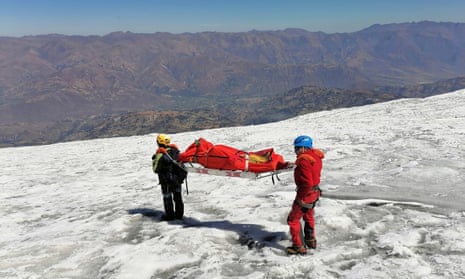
pixel 57 88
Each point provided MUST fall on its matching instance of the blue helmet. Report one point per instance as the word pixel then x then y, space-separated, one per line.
pixel 303 141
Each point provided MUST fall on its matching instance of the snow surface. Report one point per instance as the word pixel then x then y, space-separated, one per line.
pixel 393 181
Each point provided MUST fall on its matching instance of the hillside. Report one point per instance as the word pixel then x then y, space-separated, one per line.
pixel 51 85
pixel 298 101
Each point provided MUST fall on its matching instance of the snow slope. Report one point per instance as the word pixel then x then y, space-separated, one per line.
pixel 393 181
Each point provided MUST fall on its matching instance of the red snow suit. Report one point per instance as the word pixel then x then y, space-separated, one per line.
pixel 307 178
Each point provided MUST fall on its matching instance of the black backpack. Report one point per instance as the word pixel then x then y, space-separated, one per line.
pixel 178 168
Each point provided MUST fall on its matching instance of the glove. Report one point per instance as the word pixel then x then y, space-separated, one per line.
pixel 290 165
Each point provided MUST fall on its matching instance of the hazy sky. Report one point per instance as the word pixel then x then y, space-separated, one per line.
pixel 100 17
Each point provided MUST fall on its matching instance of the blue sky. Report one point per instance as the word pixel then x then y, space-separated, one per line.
pixel 100 17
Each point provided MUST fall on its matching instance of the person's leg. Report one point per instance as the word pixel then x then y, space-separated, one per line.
pixel 293 220
pixel 309 229
pixel 178 203
pixel 167 202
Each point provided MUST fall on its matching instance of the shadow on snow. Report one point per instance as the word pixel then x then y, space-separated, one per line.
pixel 251 235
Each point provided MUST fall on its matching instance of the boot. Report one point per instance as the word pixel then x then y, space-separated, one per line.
pixel 296 250
pixel 166 217
pixel 310 243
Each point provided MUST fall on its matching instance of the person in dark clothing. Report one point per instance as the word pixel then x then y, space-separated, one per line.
pixel 164 164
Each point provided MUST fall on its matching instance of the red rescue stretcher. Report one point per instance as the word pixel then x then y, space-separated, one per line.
pixel 206 158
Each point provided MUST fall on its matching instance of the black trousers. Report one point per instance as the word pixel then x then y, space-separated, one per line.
pixel 172 201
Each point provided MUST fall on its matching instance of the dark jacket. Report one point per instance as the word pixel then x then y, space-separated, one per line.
pixel 163 165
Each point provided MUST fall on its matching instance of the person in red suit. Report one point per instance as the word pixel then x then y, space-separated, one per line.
pixel 307 179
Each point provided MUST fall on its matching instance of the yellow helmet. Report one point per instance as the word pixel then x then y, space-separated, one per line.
pixel 163 139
